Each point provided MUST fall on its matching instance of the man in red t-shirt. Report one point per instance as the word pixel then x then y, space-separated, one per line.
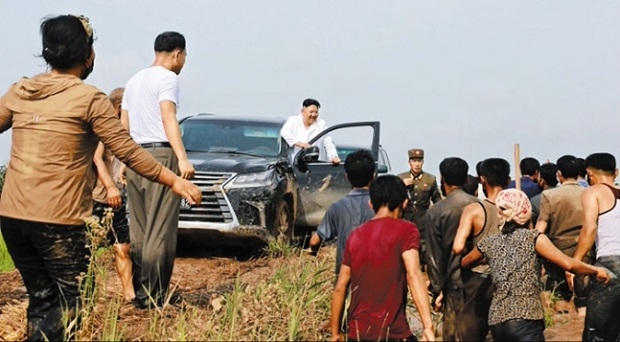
pixel 378 276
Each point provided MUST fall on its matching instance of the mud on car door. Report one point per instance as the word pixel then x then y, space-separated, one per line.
pixel 320 182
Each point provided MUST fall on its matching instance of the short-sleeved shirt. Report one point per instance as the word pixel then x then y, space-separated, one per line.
pixel 342 217
pixel 561 208
pixel 515 271
pixel 143 94
pixel 378 278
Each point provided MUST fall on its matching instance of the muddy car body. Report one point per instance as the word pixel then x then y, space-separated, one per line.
pixel 252 183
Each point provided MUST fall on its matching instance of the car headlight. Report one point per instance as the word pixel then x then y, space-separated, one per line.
pixel 248 180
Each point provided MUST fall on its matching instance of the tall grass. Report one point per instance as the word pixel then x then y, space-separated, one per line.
pixel 290 302
pixel 6 263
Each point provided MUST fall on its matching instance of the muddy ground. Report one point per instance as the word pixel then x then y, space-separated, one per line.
pixel 201 274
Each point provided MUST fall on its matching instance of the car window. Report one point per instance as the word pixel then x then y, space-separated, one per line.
pixel 262 139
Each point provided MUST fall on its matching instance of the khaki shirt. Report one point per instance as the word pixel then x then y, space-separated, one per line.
pixel 562 210
pixel 421 192
pixel 57 121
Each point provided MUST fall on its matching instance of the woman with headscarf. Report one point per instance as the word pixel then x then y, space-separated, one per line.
pixel 57 122
pixel 516 312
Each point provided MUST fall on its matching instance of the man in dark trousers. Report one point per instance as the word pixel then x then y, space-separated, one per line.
pixel 441 222
pixel 422 189
pixel 478 220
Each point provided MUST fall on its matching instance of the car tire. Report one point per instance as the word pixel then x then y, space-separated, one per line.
pixel 284 226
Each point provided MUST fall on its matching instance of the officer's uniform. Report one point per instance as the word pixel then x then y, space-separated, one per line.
pixel 423 190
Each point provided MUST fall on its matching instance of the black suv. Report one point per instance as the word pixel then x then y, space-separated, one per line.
pixel 253 184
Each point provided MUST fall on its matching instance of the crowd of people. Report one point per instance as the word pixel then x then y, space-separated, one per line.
pixel 482 256
pixel 486 258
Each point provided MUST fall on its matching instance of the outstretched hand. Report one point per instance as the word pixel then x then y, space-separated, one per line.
pixel 187 190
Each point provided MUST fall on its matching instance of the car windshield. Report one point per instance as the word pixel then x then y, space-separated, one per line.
pixel 228 136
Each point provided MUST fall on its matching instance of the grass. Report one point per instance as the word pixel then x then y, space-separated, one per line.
pixel 289 300
pixel 6 263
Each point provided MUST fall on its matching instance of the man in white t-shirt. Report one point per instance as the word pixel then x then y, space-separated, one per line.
pixel 300 129
pixel 149 112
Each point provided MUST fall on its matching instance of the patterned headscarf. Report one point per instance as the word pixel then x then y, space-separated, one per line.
pixel 513 206
pixel 85 22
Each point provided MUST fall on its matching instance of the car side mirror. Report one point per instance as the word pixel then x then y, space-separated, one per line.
pixel 305 156
pixel 310 154
pixel 382 169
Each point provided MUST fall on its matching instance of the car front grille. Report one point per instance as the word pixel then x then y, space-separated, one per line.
pixel 214 206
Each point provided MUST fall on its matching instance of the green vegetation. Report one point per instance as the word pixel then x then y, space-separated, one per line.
pixel 6 264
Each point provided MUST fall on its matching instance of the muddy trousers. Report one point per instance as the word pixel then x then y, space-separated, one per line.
pixel 603 305
pixel 466 309
pixel 50 258
pixel 153 224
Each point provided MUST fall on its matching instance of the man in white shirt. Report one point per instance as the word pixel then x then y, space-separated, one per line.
pixel 149 112
pixel 300 129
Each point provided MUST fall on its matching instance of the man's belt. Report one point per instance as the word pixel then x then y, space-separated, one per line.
pixel 155 144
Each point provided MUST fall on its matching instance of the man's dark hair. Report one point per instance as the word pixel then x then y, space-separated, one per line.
pixel 601 161
pixel 582 167
pixel 311 102
pixel 496 171
pixel 471 185
pixel 549 173
pixel 169 41
pixel 529 166
pixel 479 168
pixel 453 171
pixel 360 168
pixel 388 190
pixel 569 166
pixel 65 42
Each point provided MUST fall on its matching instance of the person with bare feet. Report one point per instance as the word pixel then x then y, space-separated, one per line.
pixel 107 196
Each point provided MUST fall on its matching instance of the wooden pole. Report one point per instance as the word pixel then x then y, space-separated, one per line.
pixel 517 155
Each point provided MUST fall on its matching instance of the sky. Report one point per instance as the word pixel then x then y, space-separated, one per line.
pixel 456 78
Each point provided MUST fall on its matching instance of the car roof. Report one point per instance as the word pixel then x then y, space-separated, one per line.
pixel 260 119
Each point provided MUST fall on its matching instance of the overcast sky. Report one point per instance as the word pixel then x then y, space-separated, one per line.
pixel 457 78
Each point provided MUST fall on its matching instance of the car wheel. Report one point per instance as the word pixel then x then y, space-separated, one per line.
pixel 284 222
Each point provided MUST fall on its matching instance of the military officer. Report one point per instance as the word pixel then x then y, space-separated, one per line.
pixel 422 187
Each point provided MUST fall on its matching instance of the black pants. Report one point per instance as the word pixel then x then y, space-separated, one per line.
pixel 603 305
pixel 50 258
pixel 153 224
pixel 519 330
